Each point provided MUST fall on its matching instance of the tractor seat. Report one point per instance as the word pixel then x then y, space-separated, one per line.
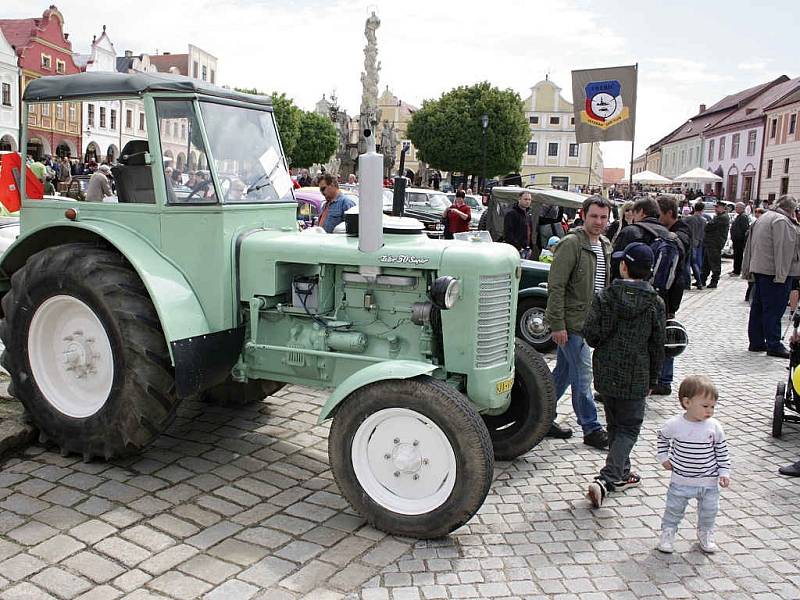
pixel 134 178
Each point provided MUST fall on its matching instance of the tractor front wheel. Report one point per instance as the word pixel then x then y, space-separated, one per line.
pixel 86 353
pixel 412 456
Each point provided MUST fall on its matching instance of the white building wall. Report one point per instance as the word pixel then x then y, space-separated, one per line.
pixel 679 157
pixel 105 137
pixel 784 146
pixel 9 75
pixel 735 169
pixel 206 65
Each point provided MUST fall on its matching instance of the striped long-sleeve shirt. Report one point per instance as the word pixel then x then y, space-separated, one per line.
pixel 697 450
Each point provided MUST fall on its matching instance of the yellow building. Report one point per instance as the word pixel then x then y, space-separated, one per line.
pixel 553 156
pixel 398 113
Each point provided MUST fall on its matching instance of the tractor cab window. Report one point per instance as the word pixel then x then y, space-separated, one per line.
pixel 186 171
pixel 247 154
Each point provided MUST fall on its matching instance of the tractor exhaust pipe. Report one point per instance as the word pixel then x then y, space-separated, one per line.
pixel 370 192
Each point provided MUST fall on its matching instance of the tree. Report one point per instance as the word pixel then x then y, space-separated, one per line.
pixel 448 134
pixel 317 141
pixel 287 117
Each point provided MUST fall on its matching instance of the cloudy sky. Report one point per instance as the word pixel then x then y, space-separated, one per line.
pixel 689 51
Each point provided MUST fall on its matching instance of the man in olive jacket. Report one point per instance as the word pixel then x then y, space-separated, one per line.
pixel 716 236
pixel 580 268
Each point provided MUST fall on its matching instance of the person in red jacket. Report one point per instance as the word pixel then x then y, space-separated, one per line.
pixel 457 216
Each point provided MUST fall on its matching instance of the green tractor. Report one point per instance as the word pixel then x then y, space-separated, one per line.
pixel 114 311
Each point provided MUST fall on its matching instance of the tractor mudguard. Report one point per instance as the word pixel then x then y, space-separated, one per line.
pixel 390 369
pixel 178 308
pixel 533 292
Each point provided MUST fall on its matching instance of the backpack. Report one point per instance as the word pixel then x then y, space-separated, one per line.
pixel 667 256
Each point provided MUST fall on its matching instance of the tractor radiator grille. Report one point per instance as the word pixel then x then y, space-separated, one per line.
pixel 494 321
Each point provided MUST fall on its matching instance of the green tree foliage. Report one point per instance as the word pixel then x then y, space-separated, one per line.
pixel 287 117
pixel 317 141
pixel 448 134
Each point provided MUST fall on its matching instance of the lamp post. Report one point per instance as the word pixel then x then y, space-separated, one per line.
pixel 485 125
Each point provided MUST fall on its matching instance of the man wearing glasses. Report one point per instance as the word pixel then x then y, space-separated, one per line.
pixel 335 203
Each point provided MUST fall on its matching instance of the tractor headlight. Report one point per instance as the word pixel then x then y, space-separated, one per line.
pixel 444 291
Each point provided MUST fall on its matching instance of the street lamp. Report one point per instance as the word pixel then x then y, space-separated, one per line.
pixel 485 125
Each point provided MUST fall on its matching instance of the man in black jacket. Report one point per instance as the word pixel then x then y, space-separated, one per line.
pixel 716 236
pixel 519 227
pixel 739 229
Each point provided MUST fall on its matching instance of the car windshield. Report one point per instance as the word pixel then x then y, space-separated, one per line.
pixel 247 155
pixel 472 202
pixel 438 201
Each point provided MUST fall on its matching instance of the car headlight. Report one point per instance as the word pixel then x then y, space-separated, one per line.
pixel 445 291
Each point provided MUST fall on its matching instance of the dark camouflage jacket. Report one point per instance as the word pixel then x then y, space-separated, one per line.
pixel 625 326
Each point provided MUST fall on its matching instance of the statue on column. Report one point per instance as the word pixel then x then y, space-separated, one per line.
pixel 369 114
pixel 388 147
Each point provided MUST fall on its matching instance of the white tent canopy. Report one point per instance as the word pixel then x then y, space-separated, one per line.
pixel 650 178
pixel 697 175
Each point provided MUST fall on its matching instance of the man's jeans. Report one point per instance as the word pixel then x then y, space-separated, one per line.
pixel 623 423
pixel 678 497
pixel 767 306
pixel 697 264
pixel 574 369
pixel 667 371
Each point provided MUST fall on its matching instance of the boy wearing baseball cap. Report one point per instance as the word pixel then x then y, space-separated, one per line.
pixel 625 326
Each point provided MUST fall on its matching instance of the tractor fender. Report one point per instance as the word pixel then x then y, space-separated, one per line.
pixel 390 369
pixel 533 292
pixel 175 301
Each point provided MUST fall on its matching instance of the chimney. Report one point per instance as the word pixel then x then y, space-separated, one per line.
pixel 702 108
pixel 128 53
pixel 166 53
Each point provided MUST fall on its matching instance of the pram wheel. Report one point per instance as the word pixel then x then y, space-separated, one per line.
pixel 777 410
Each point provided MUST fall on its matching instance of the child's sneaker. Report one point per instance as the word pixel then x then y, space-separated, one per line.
pixel 632 481
pixel 667 542
pixel 706 539
pixel 596 493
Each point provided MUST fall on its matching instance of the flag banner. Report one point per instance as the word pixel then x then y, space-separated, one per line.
pixel 10 170
pixel 604 102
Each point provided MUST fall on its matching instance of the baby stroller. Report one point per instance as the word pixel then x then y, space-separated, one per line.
pixel 788 394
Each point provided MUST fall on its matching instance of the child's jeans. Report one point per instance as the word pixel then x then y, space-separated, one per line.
pixel 678 497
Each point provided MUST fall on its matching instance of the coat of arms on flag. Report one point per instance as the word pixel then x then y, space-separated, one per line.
pixel 604 104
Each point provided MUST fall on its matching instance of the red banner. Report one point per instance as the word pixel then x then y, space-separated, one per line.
pixel 10 168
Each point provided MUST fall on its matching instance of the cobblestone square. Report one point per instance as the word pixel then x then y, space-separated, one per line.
pixel 240 503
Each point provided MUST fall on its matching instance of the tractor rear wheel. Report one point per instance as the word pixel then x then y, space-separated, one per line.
pixel 234 393
pixel 86 352
pixel 412 456
pixel 532 408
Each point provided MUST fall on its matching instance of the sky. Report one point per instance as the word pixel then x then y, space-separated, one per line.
pixel 689 52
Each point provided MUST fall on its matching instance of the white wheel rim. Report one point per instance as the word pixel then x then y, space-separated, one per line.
pixel 70 356
pixel 534 325
pixel 404 461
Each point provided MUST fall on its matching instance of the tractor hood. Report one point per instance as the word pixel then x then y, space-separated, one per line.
pixel 267 257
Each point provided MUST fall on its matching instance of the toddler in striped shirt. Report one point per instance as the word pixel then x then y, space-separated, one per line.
pixel 692 445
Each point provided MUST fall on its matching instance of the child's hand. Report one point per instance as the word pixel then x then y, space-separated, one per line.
pixel 724 481
pixel 667 465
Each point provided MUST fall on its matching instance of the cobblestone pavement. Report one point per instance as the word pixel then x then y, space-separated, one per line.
pixel 240 503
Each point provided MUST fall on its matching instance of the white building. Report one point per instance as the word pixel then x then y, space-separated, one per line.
pixel 553 156
pixel 132 121
pixel 101 134
pixel 734 144
pixel 9 96
pixel 780 165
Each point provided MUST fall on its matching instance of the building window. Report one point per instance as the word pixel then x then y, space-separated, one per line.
pixel 129 119
pixel 61 66
pixel 532 148
pixel 195 67
pixel 205 72
pixel 572 120
pixel 102 116
pixel 73 113
pixel 792 123
pixel 552 149
pixel 710 150
pixel 141 121
pixel 784 186
pixel 573 150
pixel 213 76
pixel 60 111
pixel 47 62
pixel 735 146
pixel 174 129
pixel 773 128
pixel 751 142
pixel 6 94
pixel 785 165
pixel 90 114
pixel 183 131
pixel 533 120
pixel 683 157
pixel 555 120
pixel 721 154
pixel 113 119
pixel 769 168
pixel 46 109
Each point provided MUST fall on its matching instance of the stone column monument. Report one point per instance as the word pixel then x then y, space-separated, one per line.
pixel 369 113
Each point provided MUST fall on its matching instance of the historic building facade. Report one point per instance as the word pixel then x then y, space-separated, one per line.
pixel 734 144
pixel 101 131
pixel 9 97
pixel 553 156
pixel 395 116
pixel 42 48
pixel 780 165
